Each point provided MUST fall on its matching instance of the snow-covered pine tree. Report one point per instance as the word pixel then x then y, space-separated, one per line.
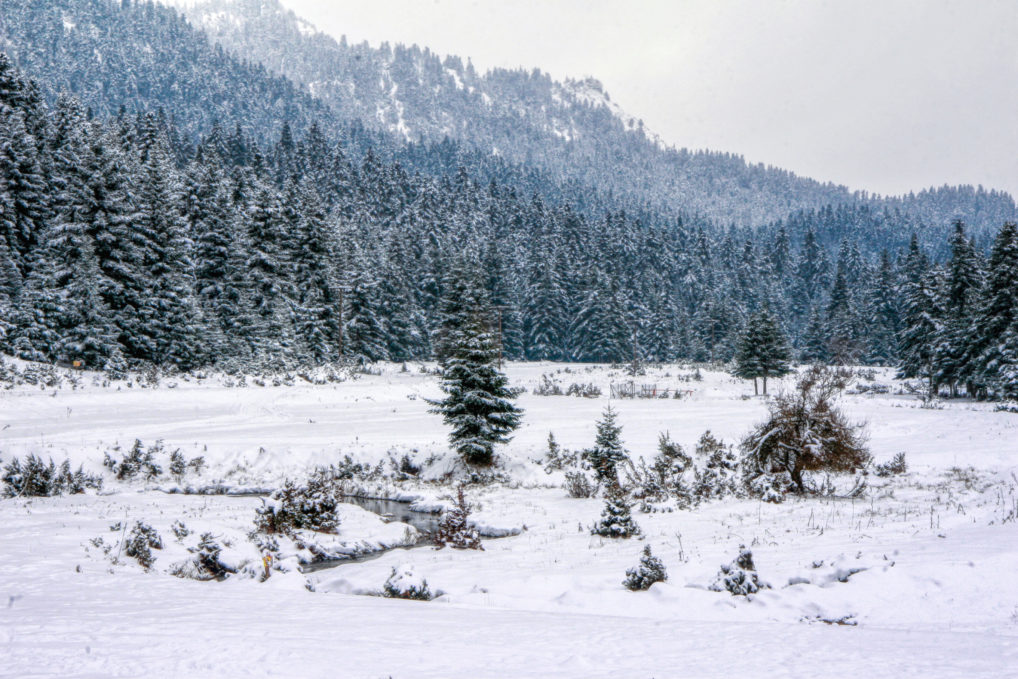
pixel 616 518
pixel 997 313
pixel 478 404
pixel 649 571
pixel 920 318
pixel 608 451
pixel 963 283
pixel 601 331
pixel 814 340
pixel 317 304
pixel 884 315
pixel 267 267
pixel 763 350
pixel 364 332
pixel 842 329
pixel 455 530
pixel 170 329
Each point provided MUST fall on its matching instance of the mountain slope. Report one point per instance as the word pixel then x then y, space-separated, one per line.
pixel 142 56
pixel 572 129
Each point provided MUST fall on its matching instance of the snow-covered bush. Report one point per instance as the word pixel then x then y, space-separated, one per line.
pixel 616 518
pixel 770 487
pixel 557 459
pixel 180 531
pixel 719 469
pixel 806 432
pixel 404 583
pixel 649 571
pixel 404 468
pixel 300 507
pixel 578 485
pixel 739 578
pixel 35 478
pixel 589 390
pixel 143 461
pixel 896 466
pixel 547 387
pixel 205 564
pixel 663 478
pixel 454 530
pixel 140 542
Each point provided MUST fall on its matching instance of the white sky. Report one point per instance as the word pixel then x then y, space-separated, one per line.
pixel 881 95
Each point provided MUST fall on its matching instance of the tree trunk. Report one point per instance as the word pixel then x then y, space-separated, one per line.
pixel 765 384
pixel 756 390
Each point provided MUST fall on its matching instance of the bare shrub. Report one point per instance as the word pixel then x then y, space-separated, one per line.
pixel 807 432
pixel 578 485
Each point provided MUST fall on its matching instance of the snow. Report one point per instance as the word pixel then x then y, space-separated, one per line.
pixel 913 579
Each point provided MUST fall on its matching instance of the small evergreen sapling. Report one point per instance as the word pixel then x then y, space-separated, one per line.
pixel 719 474
pixel 616 519
pixel 208 555
pixel 608 451
pixel 649 571
pixel 295 507
pixel 454 530
pixel 739 578
pixel 140 542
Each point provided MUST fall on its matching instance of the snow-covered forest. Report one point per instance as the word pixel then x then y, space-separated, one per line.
pixel 324 343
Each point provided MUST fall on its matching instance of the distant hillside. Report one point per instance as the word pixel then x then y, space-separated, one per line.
pixel 566 140
pixel 572 128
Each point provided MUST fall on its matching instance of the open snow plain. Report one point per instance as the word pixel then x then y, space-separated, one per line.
pixel 916 578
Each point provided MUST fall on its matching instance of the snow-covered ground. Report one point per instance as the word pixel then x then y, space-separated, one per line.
pixel 920 572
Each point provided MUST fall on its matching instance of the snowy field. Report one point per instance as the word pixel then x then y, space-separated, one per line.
pixel 916 578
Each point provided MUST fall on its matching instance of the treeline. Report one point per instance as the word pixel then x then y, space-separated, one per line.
pixel 122 244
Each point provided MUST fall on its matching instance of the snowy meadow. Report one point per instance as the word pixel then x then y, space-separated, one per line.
pixel 161 573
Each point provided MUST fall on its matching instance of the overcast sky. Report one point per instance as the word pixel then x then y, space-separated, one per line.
pixel 880 95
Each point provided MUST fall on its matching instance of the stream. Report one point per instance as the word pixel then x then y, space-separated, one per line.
pixel 393 510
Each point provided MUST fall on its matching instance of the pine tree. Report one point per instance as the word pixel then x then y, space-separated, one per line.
pixel 884 315
pixel 997 313
pixel 317 304
pixel 364 333
pixel 649 571
pixel 478 404
pixel 608 451
pixel 170 327
pixel 963 282
pixel 763 350
pixel 840 328
pixel 920 318
pixel 616 519
pixel 814 340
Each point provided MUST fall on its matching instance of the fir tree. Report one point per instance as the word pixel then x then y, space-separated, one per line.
pixel 649 571
pixel 921 322
pixel 997 312
pixel 763 350
pixel 478 404
pixel 608 451
pixel 616 519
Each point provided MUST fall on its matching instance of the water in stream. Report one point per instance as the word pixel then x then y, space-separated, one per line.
pixel 425 523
